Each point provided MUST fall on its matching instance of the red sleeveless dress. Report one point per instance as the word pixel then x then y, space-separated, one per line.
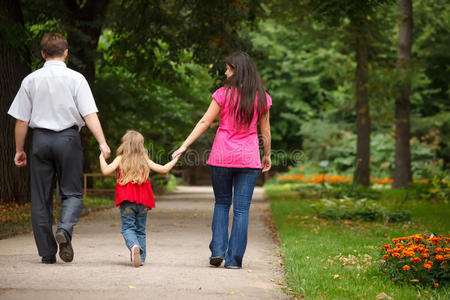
pixel 138 193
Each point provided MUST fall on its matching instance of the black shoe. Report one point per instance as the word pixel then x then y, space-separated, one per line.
pixel 49 259
pixel 215 261
pixel 65 246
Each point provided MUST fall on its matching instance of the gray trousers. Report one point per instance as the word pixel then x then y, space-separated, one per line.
pixel 61 154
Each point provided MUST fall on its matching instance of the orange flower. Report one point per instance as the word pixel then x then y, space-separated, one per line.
pixel 430 262
pixel 447 249
pixel 436 284
pixel 416 237
pixel 424 255
pixel 434 240
pixel 294 177
pixel 386 246
pixel 395 254
pixel 406 268
pixel 406 253
pixel 415 259
pixel 427 266
pixel 419 249
pixel 439 257
pixel 438 250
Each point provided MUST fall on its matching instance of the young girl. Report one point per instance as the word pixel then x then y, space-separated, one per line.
pixel 133 190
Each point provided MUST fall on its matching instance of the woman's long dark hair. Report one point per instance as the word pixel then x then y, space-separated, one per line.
pixel 247 82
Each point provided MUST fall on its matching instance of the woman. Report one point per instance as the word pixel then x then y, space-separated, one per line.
pixel 235 161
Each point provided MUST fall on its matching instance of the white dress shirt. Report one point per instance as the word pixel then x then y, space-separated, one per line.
pixel 53 97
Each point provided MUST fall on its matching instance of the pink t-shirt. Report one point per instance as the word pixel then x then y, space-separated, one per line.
pixel 235 148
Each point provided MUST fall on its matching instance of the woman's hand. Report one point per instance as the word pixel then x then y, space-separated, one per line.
pixel 178 152
pixel 266 163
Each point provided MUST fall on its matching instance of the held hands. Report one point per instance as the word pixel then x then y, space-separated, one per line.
pixel 106 152
pixel 178 152
pixel 266 163
pixel 175 159
pixel 101 157
pixel 20 159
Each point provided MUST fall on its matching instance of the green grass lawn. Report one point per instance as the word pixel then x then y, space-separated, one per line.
pixel 327 259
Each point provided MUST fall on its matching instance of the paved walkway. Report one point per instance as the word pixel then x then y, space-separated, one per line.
pixel 178 234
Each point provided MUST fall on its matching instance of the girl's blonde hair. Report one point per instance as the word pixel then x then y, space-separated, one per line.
pixel 134 165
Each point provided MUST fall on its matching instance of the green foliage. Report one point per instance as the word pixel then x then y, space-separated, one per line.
pixel 357 191
pixel 304 76
pixel 325 140
pixel 209 29
pixel 172 183
pixel 357 209
pixel 163 105
pixel 437 188
pixel 309 71
pixel 431 39
pixel 96 202
pixel 13 35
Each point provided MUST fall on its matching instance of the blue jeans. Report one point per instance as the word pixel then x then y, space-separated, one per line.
pixel 223 179
pixel 134 219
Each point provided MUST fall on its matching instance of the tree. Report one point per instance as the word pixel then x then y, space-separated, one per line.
pixel 403 174
pixel 14 66
pixel 358 18
pixel 360 28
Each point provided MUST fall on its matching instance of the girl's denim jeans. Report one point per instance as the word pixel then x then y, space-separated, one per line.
pixel 223 180
pixel 134 219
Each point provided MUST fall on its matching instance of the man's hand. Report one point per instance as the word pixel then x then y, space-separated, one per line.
pixel 106 152
pixel 20 159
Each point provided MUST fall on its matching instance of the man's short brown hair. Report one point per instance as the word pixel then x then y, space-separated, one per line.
pixel 53 44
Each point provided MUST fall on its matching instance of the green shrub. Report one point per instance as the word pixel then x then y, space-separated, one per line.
pixel 342 190
pixel 361 209
pixel 436 189
pixel 398 216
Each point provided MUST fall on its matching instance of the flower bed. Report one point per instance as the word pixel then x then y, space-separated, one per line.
pixel 326 178
pixel 420 259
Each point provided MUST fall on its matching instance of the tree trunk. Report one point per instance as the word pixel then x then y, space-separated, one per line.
pixel 362 110
pixel 403 174
pixel 86 20
pixel 14 66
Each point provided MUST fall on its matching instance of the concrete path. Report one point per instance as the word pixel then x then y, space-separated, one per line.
pixel 178 234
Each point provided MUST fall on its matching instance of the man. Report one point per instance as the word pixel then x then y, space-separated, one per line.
pixel 56 102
